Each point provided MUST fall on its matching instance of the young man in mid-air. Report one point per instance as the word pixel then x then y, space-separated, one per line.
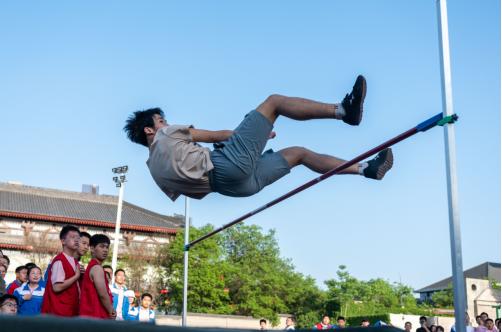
pixel 238 166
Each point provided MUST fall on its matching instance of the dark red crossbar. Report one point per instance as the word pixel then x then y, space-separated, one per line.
pixel 424 126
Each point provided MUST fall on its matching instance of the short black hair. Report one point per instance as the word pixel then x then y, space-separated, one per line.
pixel 30 265
pixel 21 268
pixel 6 297
pixel 263 321
pixel 483 313
pixel 407 323
pixel 145 295
pixel 340 318
pixel 326 315
pixel 119 270
pixel 489 319
pixel 365 320
pixel 422 317
pixel 66 229
pixel 136 123
pixel 439 328
pixel 85 234
pixel 99 238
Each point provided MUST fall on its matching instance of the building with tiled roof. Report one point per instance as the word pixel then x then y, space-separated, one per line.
pixel 31 218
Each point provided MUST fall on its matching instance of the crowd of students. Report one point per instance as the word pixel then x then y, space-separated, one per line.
pixel 68 289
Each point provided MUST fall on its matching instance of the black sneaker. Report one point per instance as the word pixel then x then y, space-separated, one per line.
pixel 353 102
pixel 378 166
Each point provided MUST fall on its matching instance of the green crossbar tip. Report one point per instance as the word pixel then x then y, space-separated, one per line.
pixel 448 119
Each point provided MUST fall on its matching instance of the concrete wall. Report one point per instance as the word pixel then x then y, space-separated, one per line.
pixel 219 321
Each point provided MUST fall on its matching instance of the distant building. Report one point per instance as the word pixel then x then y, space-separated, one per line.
pixel 31 219
pixel 481 297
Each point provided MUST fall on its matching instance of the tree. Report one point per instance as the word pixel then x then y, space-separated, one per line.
pixel 444 298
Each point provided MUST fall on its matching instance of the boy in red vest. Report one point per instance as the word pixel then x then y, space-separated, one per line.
pixel 62 291
pixel 96 299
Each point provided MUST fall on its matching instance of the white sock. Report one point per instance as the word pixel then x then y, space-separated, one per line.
pixel 362 167
pixel 339 111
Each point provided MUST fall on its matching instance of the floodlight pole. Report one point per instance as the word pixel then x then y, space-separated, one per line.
pixel 459 292
pixel 120 182
pixel 185 270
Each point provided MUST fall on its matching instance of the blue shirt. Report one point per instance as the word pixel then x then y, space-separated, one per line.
pixel 32 306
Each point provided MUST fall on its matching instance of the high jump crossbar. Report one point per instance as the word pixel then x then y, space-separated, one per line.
pixel 436 120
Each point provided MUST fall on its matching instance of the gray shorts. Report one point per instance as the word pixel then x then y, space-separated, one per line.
pixel 240 166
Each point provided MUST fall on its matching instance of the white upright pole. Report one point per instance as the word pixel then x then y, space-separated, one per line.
pixel 459 292
pixel 117 228
pixel 185 272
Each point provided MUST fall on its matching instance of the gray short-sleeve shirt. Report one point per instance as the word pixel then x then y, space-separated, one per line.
pixel 178 165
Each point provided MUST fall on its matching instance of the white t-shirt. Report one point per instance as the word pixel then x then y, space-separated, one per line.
pixel 178 165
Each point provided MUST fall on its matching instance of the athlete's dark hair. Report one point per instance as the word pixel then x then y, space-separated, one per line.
pixel 136 123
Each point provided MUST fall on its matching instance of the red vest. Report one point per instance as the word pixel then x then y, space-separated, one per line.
pixel 64 303
pixel 90 305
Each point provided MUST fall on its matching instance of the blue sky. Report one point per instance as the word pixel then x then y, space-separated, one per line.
pixel 71 73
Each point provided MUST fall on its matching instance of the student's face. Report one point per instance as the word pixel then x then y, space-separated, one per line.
pixel 365 324
pixel 35 275
pixel 3 271
pixel 83 246
pixel 146 302
pixel 131 299
pixel 407 326
pixel 484 317
pixel 325 320
pixel 158 123
pixel 341 322
pixel 71 240
pixel 489 324
pixel 120 278
pixel 9 307
pixel 4 261
pixel 23 275
pixel 263 325
pixel 289 321
pixel 100 251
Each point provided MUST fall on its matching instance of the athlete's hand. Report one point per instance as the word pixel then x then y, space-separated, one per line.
pixel 272 135
pixel 113 315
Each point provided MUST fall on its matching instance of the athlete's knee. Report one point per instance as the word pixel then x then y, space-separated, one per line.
pixel 274 100
pixel 294 155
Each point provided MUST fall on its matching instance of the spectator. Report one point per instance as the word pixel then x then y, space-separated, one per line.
pixel 408 326
pixel 61 290
pixel 484 316
pixel 290 323
pixel 479 321
pixel 83 249
pixel 340 322
pixel 439 328
pixel 96 297
pixel 30 294
pixel 423 325
pixel 263 324
pixel 83 245
pixel 8 304
pixel 432 328
pixel 109 272
pixel 21 278
pixel 3 272
pixel 120 304
pixel 497 323
pixel 145 313
pixel 467 321
pixel 4 260
pixel 489 325
pixel 133 308
pixel 365 322
pixel 324 324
